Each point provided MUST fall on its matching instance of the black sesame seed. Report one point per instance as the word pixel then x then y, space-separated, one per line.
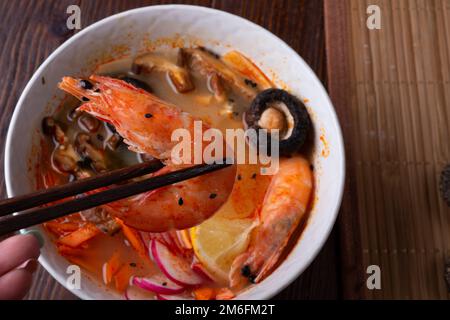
pixel 239 177
pixel 148 115
pixel 97 90
pixel 164 284
pixel 43 80
pixel 212 195
pixel 86 84
pixel 231 100
pixel 254 176
pixel 85 99
pixel 132 264
pixel 180 201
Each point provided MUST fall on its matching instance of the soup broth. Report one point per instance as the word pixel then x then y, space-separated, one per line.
pixel 115 248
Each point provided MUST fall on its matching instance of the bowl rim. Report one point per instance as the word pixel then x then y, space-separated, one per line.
pixel 340 148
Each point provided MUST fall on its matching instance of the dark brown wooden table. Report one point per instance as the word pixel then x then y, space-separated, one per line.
pixel 31 30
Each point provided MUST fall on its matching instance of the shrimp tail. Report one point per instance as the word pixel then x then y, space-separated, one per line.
pixel 247 267
pixel 270 263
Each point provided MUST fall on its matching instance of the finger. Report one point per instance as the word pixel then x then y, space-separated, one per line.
pixel 15 284
pixel 16 250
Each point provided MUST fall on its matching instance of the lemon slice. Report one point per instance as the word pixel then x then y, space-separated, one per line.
pixel 218 240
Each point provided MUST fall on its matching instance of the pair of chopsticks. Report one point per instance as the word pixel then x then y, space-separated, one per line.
pixel 11 223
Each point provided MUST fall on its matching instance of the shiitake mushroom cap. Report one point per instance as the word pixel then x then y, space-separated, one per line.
pixel 297 134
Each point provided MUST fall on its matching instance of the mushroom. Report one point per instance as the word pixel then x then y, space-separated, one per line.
pixel 278 109
pixel 64 159
pixel 85 148
pixel 88 123
pixel 114 141
pixel 216 86
pixel 208 64
pixel 52 128
pixel 272 118
pixel 178 75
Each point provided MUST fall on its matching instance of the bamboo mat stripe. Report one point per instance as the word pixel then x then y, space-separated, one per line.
pixel 399 108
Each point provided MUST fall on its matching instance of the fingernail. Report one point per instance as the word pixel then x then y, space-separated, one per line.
pixel 37 235
pixel 30 265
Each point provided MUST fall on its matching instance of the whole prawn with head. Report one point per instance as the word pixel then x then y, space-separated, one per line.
pixel 285 203
pixel 146 123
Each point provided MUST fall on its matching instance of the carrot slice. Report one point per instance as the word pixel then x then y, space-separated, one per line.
pixel 133 237
pixel 122 277
pixel 111 267
pixel 242 64
pixel 61 229
pixel 224 294
pixel 69 226
pixel 69 251
pixel 85 233
pixel 204 293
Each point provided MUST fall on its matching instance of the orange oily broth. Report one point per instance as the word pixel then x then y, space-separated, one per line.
pixel 250 186
pixel 103 246
pixel 247 194
pixel 199 102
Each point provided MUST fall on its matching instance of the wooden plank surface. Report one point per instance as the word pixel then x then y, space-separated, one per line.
pixel 31 30
pixel 391 89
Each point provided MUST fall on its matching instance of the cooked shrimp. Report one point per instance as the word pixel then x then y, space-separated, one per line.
pixel 146 123
pixel 284 206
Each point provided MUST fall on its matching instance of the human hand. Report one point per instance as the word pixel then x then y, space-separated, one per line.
pixel 18 261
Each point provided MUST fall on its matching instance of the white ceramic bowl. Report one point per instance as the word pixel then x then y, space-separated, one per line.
pixel 136 30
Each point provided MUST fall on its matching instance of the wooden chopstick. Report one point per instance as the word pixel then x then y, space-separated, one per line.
pixel 40 215
pixel 41 197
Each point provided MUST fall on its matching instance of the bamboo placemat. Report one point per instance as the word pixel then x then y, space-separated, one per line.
pixel 391 88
